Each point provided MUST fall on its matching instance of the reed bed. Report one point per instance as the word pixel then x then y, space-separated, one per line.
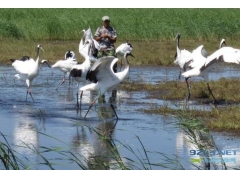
pixel 223 89
pixel 131 23
pixel 151 31
pixel 12 160
pixel 218 118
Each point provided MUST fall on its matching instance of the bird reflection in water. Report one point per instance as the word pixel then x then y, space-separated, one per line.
pixel 103 158
pixel 25 138
pixel 105 111
pixel 66 96
pixel 95 144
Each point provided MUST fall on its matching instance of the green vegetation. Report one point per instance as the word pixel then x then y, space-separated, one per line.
pixel 223 89
pixel 196 133
pixel 218 118
pixel 133 24
pixel 12 160
pixel 151 31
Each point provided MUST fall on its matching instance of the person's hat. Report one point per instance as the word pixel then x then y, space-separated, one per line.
pixel 105 18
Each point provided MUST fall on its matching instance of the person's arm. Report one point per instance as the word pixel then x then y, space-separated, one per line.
pixel 98 38
pixel 112 39
pixel 98 35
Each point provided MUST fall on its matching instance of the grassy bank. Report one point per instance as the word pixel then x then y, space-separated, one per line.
pixel 133 24
pixel 223 89
pixel 159 53
pixel 151 31
pixel 217 118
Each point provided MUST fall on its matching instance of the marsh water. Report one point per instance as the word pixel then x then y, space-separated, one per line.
pixel 52 121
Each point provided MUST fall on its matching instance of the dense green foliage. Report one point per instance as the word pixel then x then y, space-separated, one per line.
pixel 133 24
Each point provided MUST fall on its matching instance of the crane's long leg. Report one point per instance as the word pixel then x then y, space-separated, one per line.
pixel 115 114
pixel 179 77
pixel 29 92
pixel 81 100
pixel 111 101
pixel 189 88
pixel 80 97
pixel 69 78
pixel 114 110
pixel 77 101
pixel 211 92
pixel 61 83
pixel 90 106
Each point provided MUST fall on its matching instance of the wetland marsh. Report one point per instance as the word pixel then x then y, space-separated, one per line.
pixel 156 129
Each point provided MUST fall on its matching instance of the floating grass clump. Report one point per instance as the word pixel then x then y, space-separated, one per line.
pixel 223 89
pixel 218 119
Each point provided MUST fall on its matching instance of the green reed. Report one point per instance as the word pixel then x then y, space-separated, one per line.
pixel 114 160
pixel 131 23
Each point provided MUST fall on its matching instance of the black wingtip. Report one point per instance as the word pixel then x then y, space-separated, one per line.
pixel 76 73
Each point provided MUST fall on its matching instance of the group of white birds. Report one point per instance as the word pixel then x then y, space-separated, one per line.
pixel 197 63
pixel 97 77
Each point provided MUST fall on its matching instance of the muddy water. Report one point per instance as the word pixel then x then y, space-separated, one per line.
pixel 53 114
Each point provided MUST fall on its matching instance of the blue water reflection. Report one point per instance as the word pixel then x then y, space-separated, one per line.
pixel 53 122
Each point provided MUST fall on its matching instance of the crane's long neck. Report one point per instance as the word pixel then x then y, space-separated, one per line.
pixel 87 62
pixel 178 49
pixel 124 73
pixel 36 66
pixel 82 40
pixel 37 59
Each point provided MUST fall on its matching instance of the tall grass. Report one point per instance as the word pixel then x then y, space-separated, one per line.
pixel 195 131
pixel 114 160
pixel 151 31
pixel 200 136
pixel 130 23
pixel 10 158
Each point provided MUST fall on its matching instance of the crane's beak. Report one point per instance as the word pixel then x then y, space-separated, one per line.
pixel 178 35
pixel 45 61
pixel 42 49
pixel 83 31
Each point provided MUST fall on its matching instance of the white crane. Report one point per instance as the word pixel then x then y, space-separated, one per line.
pixel 66 65
pixel 103 78
pixel 88 46
pixel 183 58
pixel 121 49
pixel 79 72
pixel 201 65
pixel 28 69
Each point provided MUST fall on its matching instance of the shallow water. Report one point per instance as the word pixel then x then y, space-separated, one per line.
pixel 53 114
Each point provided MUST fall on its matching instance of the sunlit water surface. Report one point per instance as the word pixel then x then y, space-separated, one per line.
pixel 52 121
